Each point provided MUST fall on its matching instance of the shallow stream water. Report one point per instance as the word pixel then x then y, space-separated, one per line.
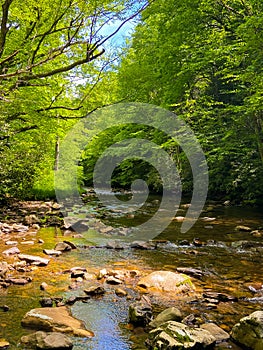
pixel 231 268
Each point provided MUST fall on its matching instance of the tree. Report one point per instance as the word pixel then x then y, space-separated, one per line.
pixel 202 60
pixel 48 51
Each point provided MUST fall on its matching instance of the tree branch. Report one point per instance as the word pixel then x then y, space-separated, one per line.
pixel 58 107
pixel 89 113
pixel 99 43
pixel 10 57
pixel 25 128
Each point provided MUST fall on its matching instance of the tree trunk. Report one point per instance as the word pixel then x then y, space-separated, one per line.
pixel 56 154
pixel 259 134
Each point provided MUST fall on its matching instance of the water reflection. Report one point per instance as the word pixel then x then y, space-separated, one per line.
pixel 103 317
pixel 231 268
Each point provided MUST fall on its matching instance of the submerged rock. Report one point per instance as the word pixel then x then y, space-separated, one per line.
pixel 43 340
pixel 243 228
pixel 249 331
pixel 140 313
pixel 56 319
pixel 219 296
pixel 178 336
pixel 167 281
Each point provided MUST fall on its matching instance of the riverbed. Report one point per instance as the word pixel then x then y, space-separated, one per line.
pixel 231 259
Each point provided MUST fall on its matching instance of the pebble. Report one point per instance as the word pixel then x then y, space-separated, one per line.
pixel 102 273
pixel 113 280
pixel 11 243
pixel 43 286
pixel 121 292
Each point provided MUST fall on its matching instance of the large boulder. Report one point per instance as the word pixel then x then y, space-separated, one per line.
pixel 57 319
pixel 249 331
pixel 167 281
pixel 43 340
pixel 178 336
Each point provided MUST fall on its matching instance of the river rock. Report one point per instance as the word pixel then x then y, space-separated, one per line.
pixel 115 245
pixel 79 297
pixel 76 225
pixel 43 340
pixel 19 280
pixel 142 245
pixel 77 273
pixel 11 251
pixel 219 296
pixel 4 267
pixel 179 218
pixel 175 335
pixel 63 247
pixel 19 228
pixel 191 272
pixel 27 242
pixel 43 286
pixel 32 219
pixel 57 319
pixel 121 292
pixel 52 252
pixel 73 245
pixel 216 331
pixel 243 228
pixel 113 280
pixel 33 259
pixel 4 344
pixel 249 331
pixel 11 243
pixel 94 289
pixel 140 313
pixel 170 314
pixel 46 302
pixel 167 281
pixel 102 273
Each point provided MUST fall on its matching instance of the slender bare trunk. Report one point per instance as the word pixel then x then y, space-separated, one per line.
pixel 56 154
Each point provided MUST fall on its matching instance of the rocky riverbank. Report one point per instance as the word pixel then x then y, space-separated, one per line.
pixel 188 295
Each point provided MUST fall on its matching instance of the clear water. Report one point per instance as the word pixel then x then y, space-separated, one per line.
pixel 231 270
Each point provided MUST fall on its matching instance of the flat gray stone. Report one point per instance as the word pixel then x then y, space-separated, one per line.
pixel 33 259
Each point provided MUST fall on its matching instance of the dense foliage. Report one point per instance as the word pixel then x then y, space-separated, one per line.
pixel 52 54
pixel 203 60
pixel 200 59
